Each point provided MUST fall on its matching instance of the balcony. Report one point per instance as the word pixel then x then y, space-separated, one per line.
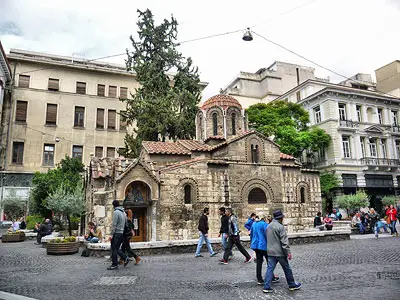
pixel 396 129
pixel 348 124
pixel 380 162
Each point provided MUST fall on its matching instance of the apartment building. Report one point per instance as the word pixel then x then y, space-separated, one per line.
pixel 365 130
pixel 61 106
pixel 388 78
pixel 266 84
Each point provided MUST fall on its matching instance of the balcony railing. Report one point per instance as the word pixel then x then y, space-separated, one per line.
pixel 375 161
pixel 395 128
pixel 347 123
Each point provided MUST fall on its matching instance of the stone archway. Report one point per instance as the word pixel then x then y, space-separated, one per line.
pixel 138 200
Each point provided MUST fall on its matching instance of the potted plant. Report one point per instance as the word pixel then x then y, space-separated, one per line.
pixel 11 237
pixel 67 245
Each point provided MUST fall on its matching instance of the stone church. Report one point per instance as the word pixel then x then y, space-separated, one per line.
pixel 168 186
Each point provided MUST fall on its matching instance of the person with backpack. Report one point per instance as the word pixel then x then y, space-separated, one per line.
pixel 128 234
pixel 234 239
pixel 117 236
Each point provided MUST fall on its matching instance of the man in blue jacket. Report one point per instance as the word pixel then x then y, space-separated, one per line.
pixel 258 237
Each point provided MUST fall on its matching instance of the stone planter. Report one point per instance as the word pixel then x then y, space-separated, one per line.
pixel 62 248
pixel 12 238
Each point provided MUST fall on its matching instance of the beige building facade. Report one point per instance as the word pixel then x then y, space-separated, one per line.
pixel 169 185
pixel 388 78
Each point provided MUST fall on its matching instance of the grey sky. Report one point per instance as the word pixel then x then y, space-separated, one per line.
pixel 348 36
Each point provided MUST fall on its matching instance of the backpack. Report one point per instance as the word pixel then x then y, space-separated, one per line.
pixel 128 229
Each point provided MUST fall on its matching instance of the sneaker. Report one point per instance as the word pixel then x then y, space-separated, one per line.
pixel 275 279
pixel 198 255
pixel 268 290
pixel 295 287
pixel 137 260
pixel 248 260
pixel 112 267
pixel 213 254
pixel 223 262
pixel 126 261
pixel 260 282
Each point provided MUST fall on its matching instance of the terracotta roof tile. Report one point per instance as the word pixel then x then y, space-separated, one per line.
pixel 221 100
pixel 215 137
pixel 194 145
pixel 286 156
pixel 165 148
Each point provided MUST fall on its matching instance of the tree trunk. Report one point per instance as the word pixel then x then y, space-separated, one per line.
pixel 69 225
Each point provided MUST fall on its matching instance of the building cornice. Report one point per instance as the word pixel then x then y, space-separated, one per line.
pixel 4 64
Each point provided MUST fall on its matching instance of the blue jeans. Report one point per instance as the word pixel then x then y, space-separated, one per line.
pixel 361 227
pixel 93 240
pixel 224 240
pixel 393 226
pixel 272 262
pixel 201 240
pixel 378 228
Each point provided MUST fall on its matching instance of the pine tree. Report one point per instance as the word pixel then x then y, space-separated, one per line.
pixel 165 106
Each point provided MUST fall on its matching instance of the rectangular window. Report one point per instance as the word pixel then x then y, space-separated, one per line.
pixel 98 152
pixel 394 117
pixel 342 112
pixel 383 149
pixel 123 92
pixel 111 119
pixel 110 152
pixel 18 153
pixel 101 90
pixel 51 114
pixel 380 117
pixel 100 118
pixel 81 87
pixel 77 152
pixel 122 121
pixel 54 84
pixel 112 91
pixel 359 113
pixel 79 120
pixel 346 146
pixel 21 111
pixel 48 155
pixel 362 141
pixel 372 148
pixel 24 81
pixel 398 149
pixel 317 115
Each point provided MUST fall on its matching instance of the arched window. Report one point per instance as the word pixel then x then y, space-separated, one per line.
pixel 303 194
pixel 233 124
pixel 188 194
pixel 254 153
pixel 215 123
pixel 257 196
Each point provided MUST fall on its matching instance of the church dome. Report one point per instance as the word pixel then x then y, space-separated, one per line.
pixel 221 100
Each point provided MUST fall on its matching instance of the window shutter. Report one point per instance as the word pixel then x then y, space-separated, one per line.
pixel 122 122
pixel 101 90
pixel 24 81
pixel 81 87
pixel 100 118
pixel 98 152
pixel 51 114
pixel 20 115
pixel 110 152
pixel 123 92
pixel 111 119
pixel 53 84
pixel 112 91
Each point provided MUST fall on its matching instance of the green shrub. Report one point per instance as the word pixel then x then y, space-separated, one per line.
pixel 32 220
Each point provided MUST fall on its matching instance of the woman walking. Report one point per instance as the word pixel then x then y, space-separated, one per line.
pixel 126 247
pixel 392 218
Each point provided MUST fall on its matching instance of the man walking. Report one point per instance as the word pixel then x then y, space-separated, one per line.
pixel 258 237
pixel 278 251
pixel 224 230
pixel 117 233
pixel 233 239
pixel 203 232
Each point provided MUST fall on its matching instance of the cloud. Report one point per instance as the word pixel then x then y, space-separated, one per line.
pixel 346 36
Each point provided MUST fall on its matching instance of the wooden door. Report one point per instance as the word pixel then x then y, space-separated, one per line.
pixel 139 221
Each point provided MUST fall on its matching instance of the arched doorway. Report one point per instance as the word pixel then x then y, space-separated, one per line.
pixel 138 199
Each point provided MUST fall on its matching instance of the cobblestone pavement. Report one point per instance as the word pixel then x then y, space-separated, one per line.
pixel 358 269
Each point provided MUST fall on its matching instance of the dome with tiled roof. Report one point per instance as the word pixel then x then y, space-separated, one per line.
pixel 221 100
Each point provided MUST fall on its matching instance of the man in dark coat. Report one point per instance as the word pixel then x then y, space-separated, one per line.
pixel 203 232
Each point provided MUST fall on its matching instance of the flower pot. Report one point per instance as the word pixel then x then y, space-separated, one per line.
pixel 12 238
pixel 62 248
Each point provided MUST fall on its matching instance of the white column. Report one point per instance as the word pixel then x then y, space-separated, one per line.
pixel 153 222
pixel 357 142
